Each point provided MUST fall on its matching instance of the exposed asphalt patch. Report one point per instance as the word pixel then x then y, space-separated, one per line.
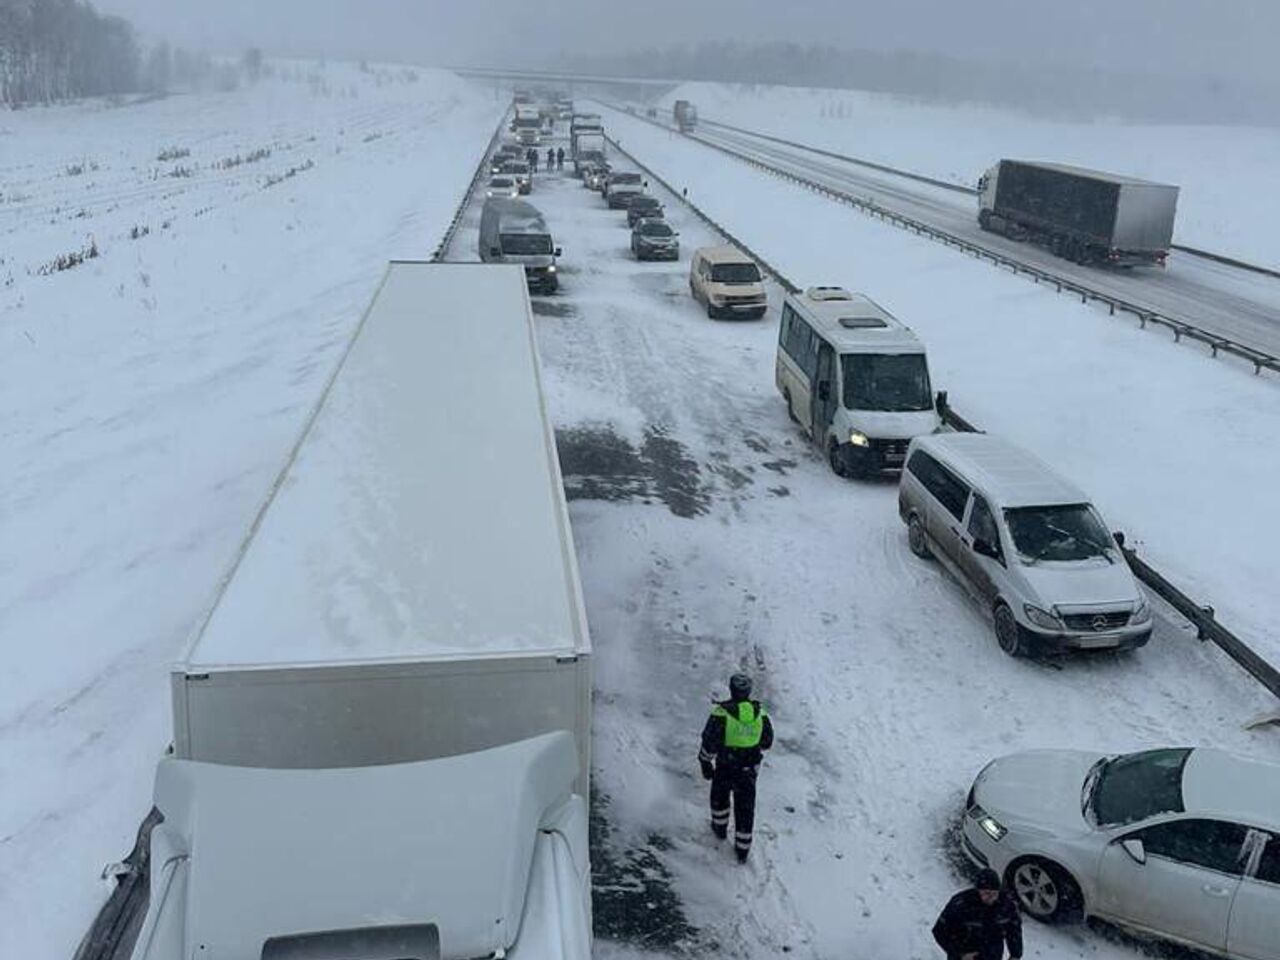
pixel 597 464
pixel 553 308
pixel 632 897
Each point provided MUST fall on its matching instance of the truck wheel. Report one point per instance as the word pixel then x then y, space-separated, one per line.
pixel 1008 633
pixel 984 219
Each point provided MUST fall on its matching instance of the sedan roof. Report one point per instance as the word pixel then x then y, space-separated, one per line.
pixel 1220 784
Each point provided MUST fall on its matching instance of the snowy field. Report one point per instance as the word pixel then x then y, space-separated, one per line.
pixel 1178 450
pixel 1225 205
pixel 149 394
pixel 711 537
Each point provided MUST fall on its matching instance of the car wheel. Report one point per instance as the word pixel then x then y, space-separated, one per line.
pixel 1045 891
pixel 916 539
pixel 1008 634
pixel 711 311
pixel 837 460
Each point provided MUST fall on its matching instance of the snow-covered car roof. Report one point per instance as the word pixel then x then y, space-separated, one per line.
pixel 283 853
pixel 1224 785
pixel 1006 473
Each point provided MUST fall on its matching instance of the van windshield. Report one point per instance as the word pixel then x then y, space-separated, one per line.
pixel 734 273
pixel 1064 533
pixel 524 244
pixel 897 382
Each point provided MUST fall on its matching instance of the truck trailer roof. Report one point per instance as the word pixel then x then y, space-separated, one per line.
pixel 1116 178
pixel 421 513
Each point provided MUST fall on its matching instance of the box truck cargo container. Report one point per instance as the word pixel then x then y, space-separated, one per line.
pixel 685 115
pixel 382 725
pixel 1082 215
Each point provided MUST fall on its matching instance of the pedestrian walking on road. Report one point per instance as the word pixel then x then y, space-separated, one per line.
pixel 551 159
pixel 978 924
pixel 532 156
pixel 560 159
pixel 733 743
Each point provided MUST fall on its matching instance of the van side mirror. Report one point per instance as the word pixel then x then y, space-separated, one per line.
pixel 983 546
pixel 559 251
pixel 495 251
pixel 1134 848
pixel 824 390
pixel 1119 535
pixel 940 403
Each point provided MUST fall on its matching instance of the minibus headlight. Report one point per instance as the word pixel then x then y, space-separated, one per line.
pixel 858 439
pixel 551 269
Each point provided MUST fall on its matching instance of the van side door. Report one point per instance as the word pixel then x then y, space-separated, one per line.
pixel 947 505
pixel 980 534
pixel 798 361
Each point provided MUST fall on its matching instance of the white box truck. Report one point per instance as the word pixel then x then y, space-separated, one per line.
pixel 382 727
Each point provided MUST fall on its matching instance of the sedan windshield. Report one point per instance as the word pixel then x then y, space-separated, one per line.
pixel 1135 786
pixel 655 229
pixel 500 183
pixel 523 244
pixel 1063 533
pixel 625 178
pixel 735 273
pixel 516 169
pixel 896 382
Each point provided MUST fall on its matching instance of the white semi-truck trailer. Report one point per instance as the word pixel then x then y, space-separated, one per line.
pixel 382 726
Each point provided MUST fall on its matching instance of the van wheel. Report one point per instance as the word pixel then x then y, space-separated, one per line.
pixel 916 539
pixel 786 396
pixel 836 459
pixel 711 311
pixel 1008 634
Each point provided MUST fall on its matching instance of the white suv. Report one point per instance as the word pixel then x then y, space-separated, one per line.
pixel 1181 843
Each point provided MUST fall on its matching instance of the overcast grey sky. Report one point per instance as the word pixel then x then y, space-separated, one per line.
pixel 1230 38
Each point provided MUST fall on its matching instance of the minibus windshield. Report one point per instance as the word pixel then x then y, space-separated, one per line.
pixel 887 382
pixel 523 244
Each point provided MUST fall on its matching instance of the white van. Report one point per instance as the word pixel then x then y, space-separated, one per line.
pixel 1027 545
pixel 855 378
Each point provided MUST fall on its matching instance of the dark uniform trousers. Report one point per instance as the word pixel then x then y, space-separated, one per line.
pixel 733 789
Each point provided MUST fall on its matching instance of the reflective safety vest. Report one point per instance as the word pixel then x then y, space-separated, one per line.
pixel 742 732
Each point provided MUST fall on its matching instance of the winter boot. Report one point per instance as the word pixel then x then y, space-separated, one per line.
pixel 721 830
pixel 742 854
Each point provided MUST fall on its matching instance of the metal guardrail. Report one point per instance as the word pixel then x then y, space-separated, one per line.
pixel 1207 625
pixel 1180 329
pixel 481 170
pixel 967 190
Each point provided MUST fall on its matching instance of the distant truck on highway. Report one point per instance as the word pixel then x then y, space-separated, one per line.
pixel 1086 216
pixel 513 231
pixel 685 115
pixel 382 725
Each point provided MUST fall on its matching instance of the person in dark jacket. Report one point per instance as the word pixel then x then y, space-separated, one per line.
pixel 551 158
pixel 733 743
pixel 978 924
pixel 560 159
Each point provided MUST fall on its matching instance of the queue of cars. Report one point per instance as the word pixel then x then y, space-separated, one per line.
pixel 1179 843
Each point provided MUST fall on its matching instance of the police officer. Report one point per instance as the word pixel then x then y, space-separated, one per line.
pixel 733 743
pixel 977 924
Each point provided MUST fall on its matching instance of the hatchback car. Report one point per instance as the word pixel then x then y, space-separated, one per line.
pixel 518 170
pixel 643 207
pixel 594 176
pixel 654 240
pixel 1180 843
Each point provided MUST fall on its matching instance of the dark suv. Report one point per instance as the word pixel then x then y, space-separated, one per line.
pixel 654 240
pixel 643 207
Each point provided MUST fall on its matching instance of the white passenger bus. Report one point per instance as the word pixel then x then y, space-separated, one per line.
pixel 854 378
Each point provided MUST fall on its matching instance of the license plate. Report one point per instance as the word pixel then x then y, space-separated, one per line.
pixel 1097 643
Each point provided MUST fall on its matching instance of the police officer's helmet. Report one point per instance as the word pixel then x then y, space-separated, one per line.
pixel 740 686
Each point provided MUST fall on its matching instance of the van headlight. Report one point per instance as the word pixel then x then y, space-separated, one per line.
pixel 858 439
pixel 1041 618
pixel 1142 612
pixel 551 269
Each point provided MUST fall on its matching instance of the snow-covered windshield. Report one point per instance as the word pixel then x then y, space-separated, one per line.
pixel 1067 532
pixel 501 182
pixel 624 178
pixel 735 273
pixel 654 228
pixel 1136 786
pixel 522 244
pixel 897 382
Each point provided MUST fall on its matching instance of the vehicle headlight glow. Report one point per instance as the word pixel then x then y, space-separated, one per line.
pixel 1041 618
pixel 551 269
pixel 858 439
pixel 992 827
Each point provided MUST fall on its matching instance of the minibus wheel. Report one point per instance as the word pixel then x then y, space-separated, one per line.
pixel 837 460
pixel 916 539
pixel 786 395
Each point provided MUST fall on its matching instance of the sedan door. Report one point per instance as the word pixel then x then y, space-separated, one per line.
pixel 1185 887
pixel 1254 932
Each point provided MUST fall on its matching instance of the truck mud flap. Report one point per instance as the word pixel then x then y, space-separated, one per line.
pixel 115 929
